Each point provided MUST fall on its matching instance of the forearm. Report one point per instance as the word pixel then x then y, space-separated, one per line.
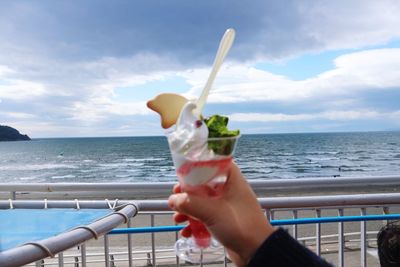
pixel 281 250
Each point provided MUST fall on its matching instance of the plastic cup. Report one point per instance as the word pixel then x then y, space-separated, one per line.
pixel 203 171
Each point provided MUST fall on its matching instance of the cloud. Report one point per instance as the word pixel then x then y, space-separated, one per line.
pixel 62 61
pixel 17 115
pixel 354 73
pixel 333 115
pixel 21 90
pixel 190 32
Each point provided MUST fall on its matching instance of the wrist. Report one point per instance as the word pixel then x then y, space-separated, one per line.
pixel 254 241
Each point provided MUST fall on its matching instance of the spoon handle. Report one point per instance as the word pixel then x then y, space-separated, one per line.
pixel 224 46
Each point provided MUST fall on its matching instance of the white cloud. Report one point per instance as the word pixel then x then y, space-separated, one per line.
pixel 21 90
pixel 74 74
pixel 333 115
pixel 350 24
pixel 17 115
pixel 365 70
pixel 4 70
pixel 99 109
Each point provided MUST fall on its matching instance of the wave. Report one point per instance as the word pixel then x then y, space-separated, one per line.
pixel 36 167
pixel 88 161
pixel 143 159
pixel 316 159
pixel 119 165
pixel 68 176
pixel 321 152
pixel 28 178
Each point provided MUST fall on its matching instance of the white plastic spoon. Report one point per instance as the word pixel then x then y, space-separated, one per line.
pixel 224 46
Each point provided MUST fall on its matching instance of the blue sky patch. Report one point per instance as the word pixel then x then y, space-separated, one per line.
pixel 173 84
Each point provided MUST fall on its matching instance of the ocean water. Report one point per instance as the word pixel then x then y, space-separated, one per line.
pixel 147 159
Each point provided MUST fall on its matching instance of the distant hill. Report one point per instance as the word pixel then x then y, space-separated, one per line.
pixel 8 133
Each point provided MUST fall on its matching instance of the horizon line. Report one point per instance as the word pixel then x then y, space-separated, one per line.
pixel 125 136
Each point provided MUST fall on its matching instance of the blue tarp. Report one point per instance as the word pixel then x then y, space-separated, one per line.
pixel 18 226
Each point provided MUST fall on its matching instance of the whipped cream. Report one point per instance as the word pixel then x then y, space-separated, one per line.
pixel 190 134
pixel 195 163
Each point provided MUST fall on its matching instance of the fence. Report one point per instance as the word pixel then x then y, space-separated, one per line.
pixel 333 240
pixel 162 190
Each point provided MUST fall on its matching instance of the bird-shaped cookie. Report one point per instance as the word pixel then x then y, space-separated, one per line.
pixel 169 106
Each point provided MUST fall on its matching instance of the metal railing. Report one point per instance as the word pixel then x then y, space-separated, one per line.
pixel 332 240
pixel 38 249
pixel 325 239
pixel 162 190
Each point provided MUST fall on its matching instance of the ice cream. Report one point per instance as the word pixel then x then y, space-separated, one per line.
pixel 190 134
pixel 197 158
pixel 194 161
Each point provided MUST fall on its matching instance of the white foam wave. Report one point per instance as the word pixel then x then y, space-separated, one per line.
pixel 143 159
pixel 68 176
pixel 88 161
pixel 119 165
pixel 36 167
pixel 321 158
pixel 28 178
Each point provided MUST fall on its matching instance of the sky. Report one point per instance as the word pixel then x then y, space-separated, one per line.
pixel 87 68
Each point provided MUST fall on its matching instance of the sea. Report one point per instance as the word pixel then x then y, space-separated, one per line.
pixel 147 159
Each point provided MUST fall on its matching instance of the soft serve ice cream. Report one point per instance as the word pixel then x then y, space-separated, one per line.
pixel 194 161
pixel 197 158
pixel 190 134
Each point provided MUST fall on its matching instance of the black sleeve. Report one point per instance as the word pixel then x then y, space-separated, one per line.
pixel 280 249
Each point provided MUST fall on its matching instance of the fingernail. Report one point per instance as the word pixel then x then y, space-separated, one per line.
pixel 171 201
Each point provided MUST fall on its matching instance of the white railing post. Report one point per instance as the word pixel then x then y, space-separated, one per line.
pixel 82 248
pixel 106 251
pixel 129 225
pixel 178 263
pixel 294 227
pixel 153 245
pixel 318 233
pixel 363 239
pixel 340 240
pixel 60 259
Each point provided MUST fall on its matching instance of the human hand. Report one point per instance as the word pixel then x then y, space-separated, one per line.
pixel 234 217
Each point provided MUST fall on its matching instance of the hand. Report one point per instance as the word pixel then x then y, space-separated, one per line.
pixel 235 217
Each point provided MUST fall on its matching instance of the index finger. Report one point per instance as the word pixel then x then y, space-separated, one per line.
pixel 177 189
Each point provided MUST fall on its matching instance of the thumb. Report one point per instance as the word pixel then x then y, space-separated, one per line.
pixel 201 208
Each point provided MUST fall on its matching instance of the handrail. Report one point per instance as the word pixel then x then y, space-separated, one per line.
pixel 380 199
pixel 164 188
pixel 31 252
pixel 271 204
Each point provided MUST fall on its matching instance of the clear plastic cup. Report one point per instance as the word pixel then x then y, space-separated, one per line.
pixel 203 171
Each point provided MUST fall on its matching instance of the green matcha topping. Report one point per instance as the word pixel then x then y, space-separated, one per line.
pixel 217 127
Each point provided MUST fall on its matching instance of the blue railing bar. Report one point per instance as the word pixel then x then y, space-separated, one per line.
pixel 157 229
pixel 144 230
pixel 356 218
